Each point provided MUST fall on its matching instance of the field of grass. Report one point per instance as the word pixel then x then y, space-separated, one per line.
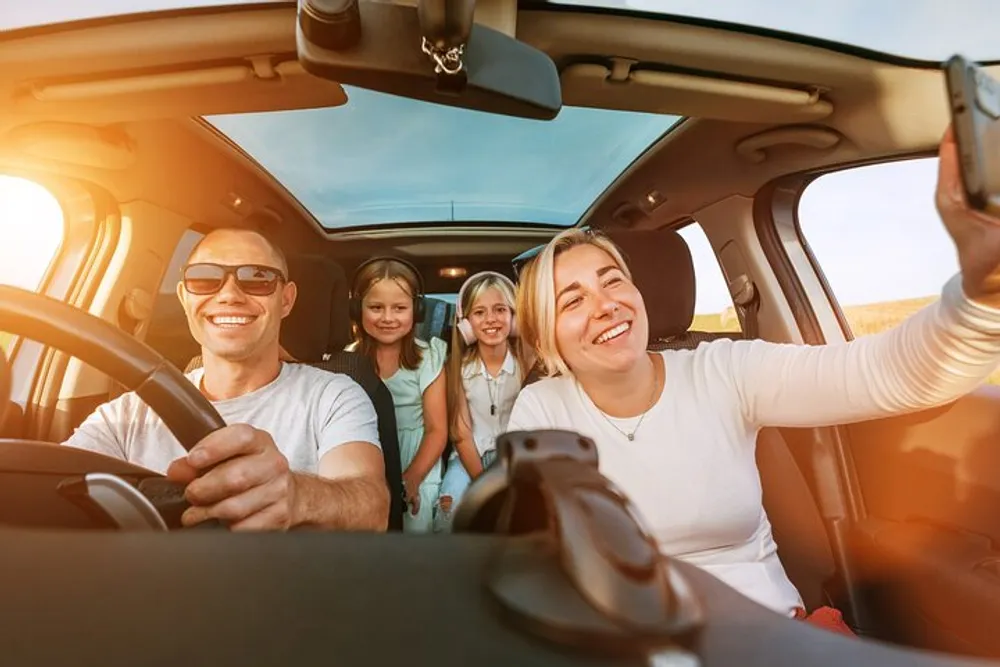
pixel 713 322
pixel 864 320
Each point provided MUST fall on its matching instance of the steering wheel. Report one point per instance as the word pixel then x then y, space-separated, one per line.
pixel 151 501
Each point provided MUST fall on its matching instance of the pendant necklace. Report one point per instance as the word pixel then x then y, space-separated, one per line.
pixel 630 435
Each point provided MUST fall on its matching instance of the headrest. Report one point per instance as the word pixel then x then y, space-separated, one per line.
pixel 319 320
pixel 662 269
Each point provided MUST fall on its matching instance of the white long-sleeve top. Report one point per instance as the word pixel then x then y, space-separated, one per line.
pixel 691 471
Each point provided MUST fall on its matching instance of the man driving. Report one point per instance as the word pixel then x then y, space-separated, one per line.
pixel 301 444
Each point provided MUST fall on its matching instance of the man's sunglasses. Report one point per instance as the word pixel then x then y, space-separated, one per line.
pixel 252 279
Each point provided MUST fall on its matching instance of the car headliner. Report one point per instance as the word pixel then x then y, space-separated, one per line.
pixel 729 146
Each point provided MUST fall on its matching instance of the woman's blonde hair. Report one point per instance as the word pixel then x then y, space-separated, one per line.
pixel 404 276
pixel 536 295
pixel 462 354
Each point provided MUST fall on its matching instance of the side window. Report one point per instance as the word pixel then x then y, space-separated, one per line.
pixel 32 226
pixel 713 308
pixel 181 253
pixel 876 235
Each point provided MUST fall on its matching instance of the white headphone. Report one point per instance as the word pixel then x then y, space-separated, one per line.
pixel 462 322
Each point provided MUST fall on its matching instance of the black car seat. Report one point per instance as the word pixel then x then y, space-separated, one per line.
pixel 663 271
pixel 438 320
pixel 316 332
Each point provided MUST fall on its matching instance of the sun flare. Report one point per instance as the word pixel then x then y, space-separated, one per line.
pixel 31 229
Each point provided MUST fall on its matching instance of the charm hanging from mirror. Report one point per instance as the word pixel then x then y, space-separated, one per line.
pixel 448 65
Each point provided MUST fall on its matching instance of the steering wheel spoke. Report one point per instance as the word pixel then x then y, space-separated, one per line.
pixel 154 503
pixel 123 503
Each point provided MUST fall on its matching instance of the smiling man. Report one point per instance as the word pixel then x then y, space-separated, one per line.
pixel 301 445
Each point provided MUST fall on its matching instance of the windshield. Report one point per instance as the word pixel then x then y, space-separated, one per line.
pixel 17 15
pixel 386 160
pixel 918 29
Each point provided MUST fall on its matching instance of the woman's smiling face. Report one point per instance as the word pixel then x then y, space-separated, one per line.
pixel 601 322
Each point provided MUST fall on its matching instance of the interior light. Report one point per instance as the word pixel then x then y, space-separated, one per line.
pixel 654 199
pixel 453 272
pixel 235 202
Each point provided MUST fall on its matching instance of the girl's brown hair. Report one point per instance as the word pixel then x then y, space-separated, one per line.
pixel 462 354
pixel 404 276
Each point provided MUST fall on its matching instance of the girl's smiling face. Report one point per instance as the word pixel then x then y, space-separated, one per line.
pixel 387 311
pixel 491 317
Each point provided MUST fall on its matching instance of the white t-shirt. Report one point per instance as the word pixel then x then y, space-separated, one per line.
pixel 306 410
pixel 490 399
pixel 691 471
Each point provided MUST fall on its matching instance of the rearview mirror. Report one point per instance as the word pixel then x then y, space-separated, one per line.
pixel 384 47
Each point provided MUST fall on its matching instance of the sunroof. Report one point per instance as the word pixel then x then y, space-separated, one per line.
pixel 919 29
pixel 386 160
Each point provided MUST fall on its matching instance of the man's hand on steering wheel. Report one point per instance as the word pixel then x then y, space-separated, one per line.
pixel 244 480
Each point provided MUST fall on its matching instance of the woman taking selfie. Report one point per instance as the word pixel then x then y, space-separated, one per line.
pixel 676 430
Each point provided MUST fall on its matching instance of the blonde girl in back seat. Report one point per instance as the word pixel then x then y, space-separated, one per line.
pixel 386 304
pixel 485 375
pixel 676 430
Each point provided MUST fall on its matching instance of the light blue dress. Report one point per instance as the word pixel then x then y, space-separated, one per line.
pixel 407 388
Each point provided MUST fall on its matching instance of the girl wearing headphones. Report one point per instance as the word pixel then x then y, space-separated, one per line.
pixel 386 303
pixel 485 375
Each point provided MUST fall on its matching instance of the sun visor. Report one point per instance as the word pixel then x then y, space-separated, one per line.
pixel 253 85
pixel 630 87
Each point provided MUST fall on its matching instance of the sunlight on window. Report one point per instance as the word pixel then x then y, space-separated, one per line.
pixel 713 308
pixel 31 230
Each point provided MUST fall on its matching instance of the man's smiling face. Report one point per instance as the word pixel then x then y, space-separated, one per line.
pixel 230 323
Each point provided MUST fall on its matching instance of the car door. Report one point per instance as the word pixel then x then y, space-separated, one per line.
pixel 927 543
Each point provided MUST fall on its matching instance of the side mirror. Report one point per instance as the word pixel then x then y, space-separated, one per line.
pixel 432 52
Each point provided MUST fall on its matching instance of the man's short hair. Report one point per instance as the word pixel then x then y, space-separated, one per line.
pixel 275 248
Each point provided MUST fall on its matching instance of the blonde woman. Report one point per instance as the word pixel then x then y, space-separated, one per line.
pixel 676 430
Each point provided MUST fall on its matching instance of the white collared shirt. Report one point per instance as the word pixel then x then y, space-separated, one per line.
pixel 483 391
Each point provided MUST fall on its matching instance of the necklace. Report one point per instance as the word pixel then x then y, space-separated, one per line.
pixel 490 380
pixel 630 435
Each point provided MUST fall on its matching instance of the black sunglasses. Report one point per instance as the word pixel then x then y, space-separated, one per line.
pixel 252 279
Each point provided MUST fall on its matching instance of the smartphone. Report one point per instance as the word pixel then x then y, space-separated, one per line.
pixel 974 99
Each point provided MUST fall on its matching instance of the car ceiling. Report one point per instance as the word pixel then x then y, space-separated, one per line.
pixel 759 108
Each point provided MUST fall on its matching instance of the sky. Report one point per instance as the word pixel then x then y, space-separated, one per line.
pixel 340 173
pixel 445 163
pixel 31 226
pixel 921 29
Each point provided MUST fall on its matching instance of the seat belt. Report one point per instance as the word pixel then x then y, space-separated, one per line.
pixel 746 299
